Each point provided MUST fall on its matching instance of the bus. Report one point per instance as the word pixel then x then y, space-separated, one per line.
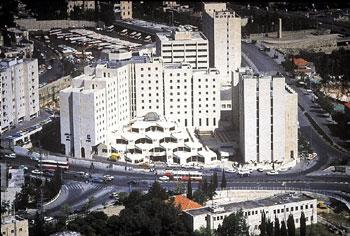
pixel 53 165
pixel 184 175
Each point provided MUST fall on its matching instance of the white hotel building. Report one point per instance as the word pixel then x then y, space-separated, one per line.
pixel 268 119
pixel 19 97
pixel 280 206
pixel 223 31
pixel 105 98
pixel 184 46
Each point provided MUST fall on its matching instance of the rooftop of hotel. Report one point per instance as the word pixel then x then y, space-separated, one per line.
pixel 252 204
pixel 181 34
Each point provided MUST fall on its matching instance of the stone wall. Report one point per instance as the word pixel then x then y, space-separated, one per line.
pixel 49 94
pixel 45 25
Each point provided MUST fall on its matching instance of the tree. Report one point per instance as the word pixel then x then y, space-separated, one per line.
pixel 203 231
pixel 277 227
pixel 189 187
pixel 223 180
pixel 90 202
pixel 262 225
pixel 234 224
pixel 269 228
pixel 291 225
pixel 283 229
pixel 156 191
pixel 180 188
pixel 215 180
pixel 302 224
pixel 5 207
pixel 199 196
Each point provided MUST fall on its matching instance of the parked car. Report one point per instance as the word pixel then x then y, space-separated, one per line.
pixel 272 172
pixel 10 155
pixel 164 178
pixel 230 170
pixel 37 172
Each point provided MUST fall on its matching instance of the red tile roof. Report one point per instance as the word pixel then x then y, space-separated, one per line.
pixel 300 62
pixel 347 105
pixel 185 203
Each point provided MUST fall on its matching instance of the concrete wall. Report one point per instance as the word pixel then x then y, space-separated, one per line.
pixel 49 94
pixel 45 25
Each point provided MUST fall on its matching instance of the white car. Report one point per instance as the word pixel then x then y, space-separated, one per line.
pixel 243 172
pixel 48 219
pixel 230 170
pixel 49 67
pixel 260 169
pixel 10 155
pixel 164 178
pixel 37 172
pixel 108 177
pixel 272 172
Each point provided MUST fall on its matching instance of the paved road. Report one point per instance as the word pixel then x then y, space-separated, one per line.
pixel 51 58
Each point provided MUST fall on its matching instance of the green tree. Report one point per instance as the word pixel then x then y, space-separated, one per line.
pixel 291 225
pixel 203 231
pixel 180 188
pixel 5 207
pixel 277 227
pixel 156 191
pixel 215 180
pixel 90 202
pixel 233 225
pixel 262 225
pixel 133 199
pixel 223 180
pixel 302 224
pixel 269 228
pixel 189 187
pixel 199 196
pixel 283 229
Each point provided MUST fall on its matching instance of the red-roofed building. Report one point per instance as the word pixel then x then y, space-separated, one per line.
pixel 302 66
pixel 347 109
pixel 185 203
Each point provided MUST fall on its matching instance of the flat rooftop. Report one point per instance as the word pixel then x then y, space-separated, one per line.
pixel 266 202
pixel 194 36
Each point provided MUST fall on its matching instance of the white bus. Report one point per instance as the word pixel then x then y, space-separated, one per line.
pixel 53 165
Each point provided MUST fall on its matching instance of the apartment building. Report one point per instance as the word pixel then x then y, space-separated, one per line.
pixel 223 31
pixel 279 206
pixel 19 96
pixel 14 225
pixel 267 119
pixel 183 45
pixel 84 5
pixel 123 10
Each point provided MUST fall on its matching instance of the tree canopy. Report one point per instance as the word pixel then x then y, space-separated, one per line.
pixel 234 225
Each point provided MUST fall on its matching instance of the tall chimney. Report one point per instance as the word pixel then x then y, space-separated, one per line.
pixel 279 33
